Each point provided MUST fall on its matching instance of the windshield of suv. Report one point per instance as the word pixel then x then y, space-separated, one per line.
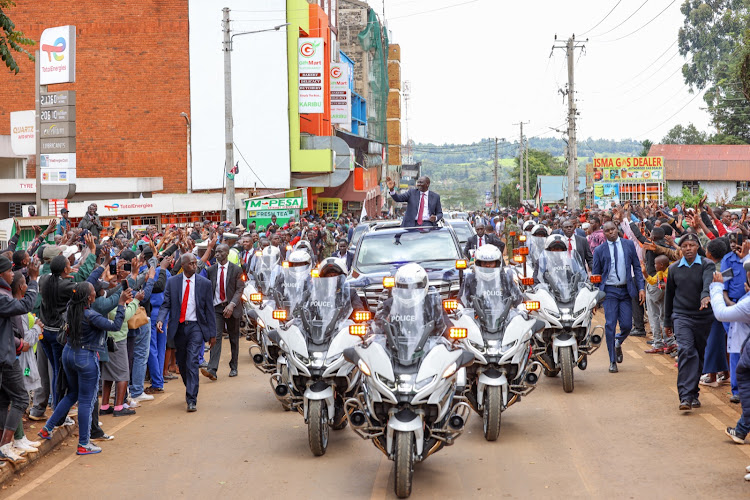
pixel 379 252
pixel 462 229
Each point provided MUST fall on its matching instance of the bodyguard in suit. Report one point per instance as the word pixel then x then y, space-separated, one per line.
pixel 344 253
pixel 622 279
pixel 188 300
pixel 578 243
pixel 423 208
pixel 480 239
pixel 227 285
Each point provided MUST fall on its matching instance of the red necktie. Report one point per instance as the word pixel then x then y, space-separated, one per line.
pixel 480 242
pixel 222 295
pixel 570 246
pixel 185 296
pixel 420 214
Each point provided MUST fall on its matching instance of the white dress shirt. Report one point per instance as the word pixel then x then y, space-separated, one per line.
pixel 426 210
pixel 217 294
pixel 481 241
pixel 572 240
pixel 190 311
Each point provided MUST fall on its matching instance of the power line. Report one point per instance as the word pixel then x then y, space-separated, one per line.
pixel 604 19
pixel 626 20
pixel 433 10
pixel 675 114
pixel 639 29
pixel 248 166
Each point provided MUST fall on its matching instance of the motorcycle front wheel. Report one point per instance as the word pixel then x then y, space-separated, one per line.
pixel 404 463
pixel 567 363
pixel 317 427
pixel 492 412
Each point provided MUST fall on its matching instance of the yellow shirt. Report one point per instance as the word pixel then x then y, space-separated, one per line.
pixel 661 276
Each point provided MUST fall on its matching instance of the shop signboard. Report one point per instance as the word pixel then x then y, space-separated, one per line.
pixel 605 193
pixel 629 169
pixel 58 168
pixel 274 204
pixel 341 109
pixel 263 217
pixel 310 64
pixel 125 206
pixel 57 57
pixel 22 135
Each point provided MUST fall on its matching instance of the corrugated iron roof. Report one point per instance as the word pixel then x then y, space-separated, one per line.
pixel 704 162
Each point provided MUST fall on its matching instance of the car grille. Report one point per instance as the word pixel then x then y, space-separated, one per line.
pixel 371 293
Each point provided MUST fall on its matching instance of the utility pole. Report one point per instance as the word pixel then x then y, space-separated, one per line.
pixel 497 188
pixel 569 46
pixel 520 160
pixel 228 121
pixel 528 192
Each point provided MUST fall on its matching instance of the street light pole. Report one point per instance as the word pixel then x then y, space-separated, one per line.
pixel 228 120
pixel 189 155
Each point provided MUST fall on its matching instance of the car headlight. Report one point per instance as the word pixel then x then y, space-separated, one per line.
pixel 552 313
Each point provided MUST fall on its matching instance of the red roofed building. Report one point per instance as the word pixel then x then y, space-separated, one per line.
pixel 721 170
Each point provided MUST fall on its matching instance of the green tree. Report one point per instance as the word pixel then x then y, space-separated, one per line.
pixel 686 197
pixel 509 196
pixel 646 147
pixel 712 34
pixel 685 135
pixel 11 40
pixel 540 163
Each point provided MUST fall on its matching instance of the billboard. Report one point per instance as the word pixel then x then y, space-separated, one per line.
pixel 57 56
pixel 631 169
pixel 274 204
pixel 341 107
pixel 22 132
pixel 310 54
pixel 605 193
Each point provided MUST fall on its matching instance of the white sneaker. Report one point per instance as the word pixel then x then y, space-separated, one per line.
pixel 69 421
pixel 19 445
pixel 143 397
pixel 131 403
pixel 11 454
pixel 35 444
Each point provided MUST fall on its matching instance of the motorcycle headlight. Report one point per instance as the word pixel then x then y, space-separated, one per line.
pixel 552 313
pixel 508 347
pixel 260 323
pixel 579 312
pixel 450 370
pixel 363 367
pixel 478 347
pixel 424 383
pixel 391 384
pixel 302 359
pixel 333 359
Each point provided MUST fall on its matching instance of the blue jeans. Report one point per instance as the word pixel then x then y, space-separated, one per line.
pixel 734 358
pixel 140 359
pixel 54 350
pixel 743 386
pixel 81 368
pixel 157 351
pixel 715 356
pixel 618 308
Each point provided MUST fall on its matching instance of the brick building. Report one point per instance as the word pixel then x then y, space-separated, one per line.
pixel 132 83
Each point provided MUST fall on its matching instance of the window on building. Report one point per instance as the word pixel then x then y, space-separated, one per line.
pixel 743 185
pixel 15 208
pixel 692 186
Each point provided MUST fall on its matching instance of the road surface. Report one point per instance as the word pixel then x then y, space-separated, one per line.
pixel 617 436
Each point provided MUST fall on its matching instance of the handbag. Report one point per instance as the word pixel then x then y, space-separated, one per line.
pixel 138 319
pixel 111 346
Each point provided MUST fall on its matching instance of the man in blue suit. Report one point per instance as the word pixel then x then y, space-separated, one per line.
pixel 423 206
pixel 188 300
pixel 622 279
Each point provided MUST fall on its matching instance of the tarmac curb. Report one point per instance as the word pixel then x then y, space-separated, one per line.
pixel 58 436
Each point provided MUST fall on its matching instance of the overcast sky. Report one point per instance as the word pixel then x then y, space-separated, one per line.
pixel 479 67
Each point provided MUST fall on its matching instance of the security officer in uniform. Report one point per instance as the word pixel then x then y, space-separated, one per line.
pixel 510 236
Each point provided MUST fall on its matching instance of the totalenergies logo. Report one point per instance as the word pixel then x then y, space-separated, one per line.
pixel 55 50
pixel 307 49
pixel 113 207
pixel 336 72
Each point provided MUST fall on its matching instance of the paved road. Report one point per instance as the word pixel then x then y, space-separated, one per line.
pixel 618 435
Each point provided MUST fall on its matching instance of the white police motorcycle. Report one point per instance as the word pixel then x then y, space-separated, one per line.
pixel 407 405
pixel 564 299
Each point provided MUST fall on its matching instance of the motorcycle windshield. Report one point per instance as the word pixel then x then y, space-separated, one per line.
pixel 294 285
pixel 536 248
pixel 493 294
pixel 562 272
pixel 408 326
pixel 266 268
pixel 327 306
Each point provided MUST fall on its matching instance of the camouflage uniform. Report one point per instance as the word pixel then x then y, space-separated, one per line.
pixel 511 242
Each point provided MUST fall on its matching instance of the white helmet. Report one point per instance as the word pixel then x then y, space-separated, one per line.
pixel 555 242
pixel 411 284
pixel 304 245
pixel 540 228
pixel 333 264
pixel 299 262
pixel 528 225
pixel 489 253
pixel 271 257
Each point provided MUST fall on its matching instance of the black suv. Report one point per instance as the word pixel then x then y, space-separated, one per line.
pixel 384 248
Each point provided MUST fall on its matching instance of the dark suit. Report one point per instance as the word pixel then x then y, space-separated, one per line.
pixel 618 305
pixel 349 257
pixel 412 198
pixel 233 294
pixel 489 239
pixel 583 249
pixel 189 336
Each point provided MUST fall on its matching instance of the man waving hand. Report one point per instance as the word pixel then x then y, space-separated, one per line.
pixel 423 207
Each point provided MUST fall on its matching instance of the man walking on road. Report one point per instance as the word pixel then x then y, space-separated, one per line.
pixel 617 263
pixel 189 303
pixel 689 313
pixel 226 280
pixel 423 206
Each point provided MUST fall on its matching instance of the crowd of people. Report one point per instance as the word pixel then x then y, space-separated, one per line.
pixel 91 323
pixel 684 268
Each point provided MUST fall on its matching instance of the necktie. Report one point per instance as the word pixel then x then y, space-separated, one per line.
pixel 570 246
pixel 420 214
pixel 617 272
pixel 480 241
pixel 183 308
pixel 222 295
